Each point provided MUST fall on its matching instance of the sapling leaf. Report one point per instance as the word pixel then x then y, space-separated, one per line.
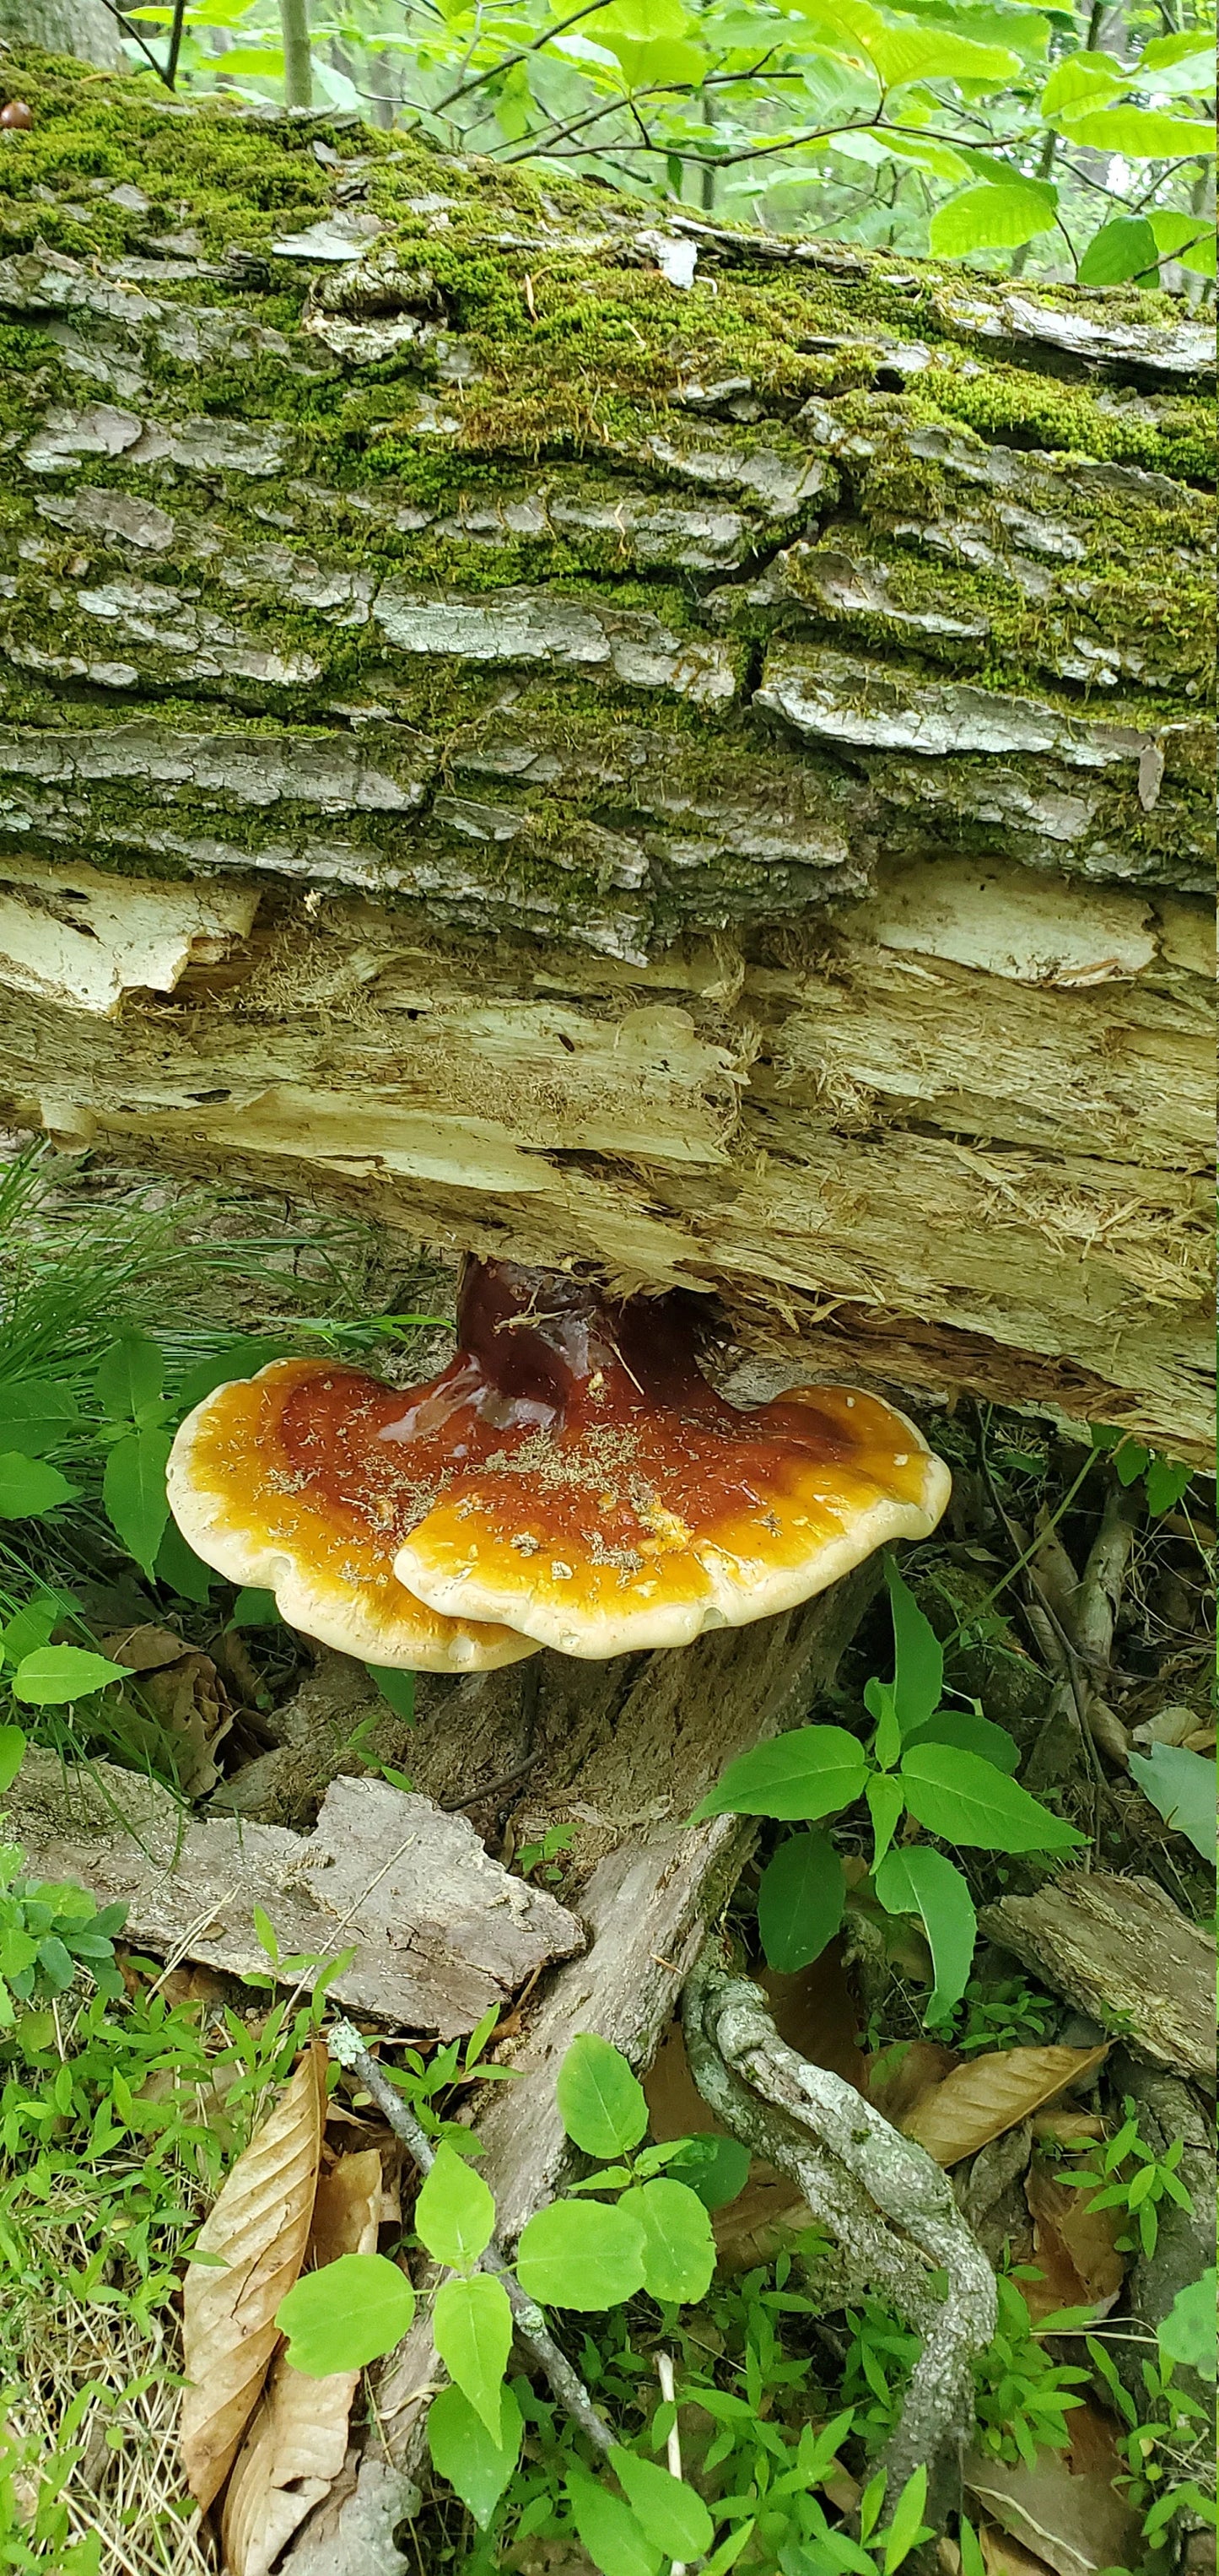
pixel 672 2515
pixel 1167 1480
pixel 601 2103
pixel 179 1567
pixel 133 1491
pixel 678 2246
pixel 801 1896
pixel 53 1676
pixel 582 2254
pixel 880 1700
pixel 462 2450
pixel 345 2315
pixel 1181 1785
pixel 1187 2333
pixel 455 2210
pixel 396 1689
pixel 35 1415
pixel 472 2326
pixel 966 1800
pixel 906 2528
pixel 31 1626
pixel 972 1733
pixel 918 1881
pixel 716 2168
pixel 1125 247
pixel 254 1608
pixel 12 1754
pixel 612 2534
pixel 130 1376
pixel 886 1802
pixel 29 1486
pixel 812 1772
pixel 918 1657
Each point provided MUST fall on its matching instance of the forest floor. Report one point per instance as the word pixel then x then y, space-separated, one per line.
pixel 1066 2097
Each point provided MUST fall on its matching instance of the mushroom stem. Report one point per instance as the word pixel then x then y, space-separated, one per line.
pixel 346 2044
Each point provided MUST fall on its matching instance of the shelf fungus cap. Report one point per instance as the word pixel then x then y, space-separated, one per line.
pixel 281 1481
pixel 604 1498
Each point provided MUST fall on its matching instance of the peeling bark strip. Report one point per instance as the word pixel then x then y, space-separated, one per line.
pixel 710 782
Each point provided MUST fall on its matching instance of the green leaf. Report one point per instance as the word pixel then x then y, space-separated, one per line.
pixel 178 1566
pixel 1202 256
pixel 581 2254
pixel 472 2325
pixel 880 1700
pixel 1079 81
pixel 477 2468
pixel 1182 65
pixel 611 2533
pixel 966 1800
pixel 800 1901
pixel 55 1964
pixel 266 60
pixel 12 1750
pixel 1167 1480
pixel 133 1491
pixel 886 1804
pixel 601 2103
pixel 671 2514
pixel 35 1414
pixel 678 2246
pixel 1143 134
pixel 1124 248
pixel 1182 1786
pixel 907 53
pixel 1174 231
pixel 54 1675
pixel 455 2210
pixel 998 216
pixel 1187 2333
pixel 130 1376
pixel 814 1771
pixel 716 2168
pixel 349 2313
pixel 28 1487
pixel 972 1733
pixel 31 1627
pixel 917 1881
pixel 906 2526
pixel 237 1359
pixel 254 1608
pixel 397 1689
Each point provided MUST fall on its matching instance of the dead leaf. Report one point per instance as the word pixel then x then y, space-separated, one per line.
pixel 1066 2127
pixel 977 2102
pixel 1004 2557
pixel 816 2013
pixel 183 1687
pixel 259 2228
pixel 676 2108
pixel 762 2219
pixel 1075 2247
pixel 899 2077
pixel 1067 2509
pixel 297 2442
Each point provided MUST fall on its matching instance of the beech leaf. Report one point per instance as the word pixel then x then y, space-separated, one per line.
pixel 257 2233
pixel 297 2442
pixel 979 2101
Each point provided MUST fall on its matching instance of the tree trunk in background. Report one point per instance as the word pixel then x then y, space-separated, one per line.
pixel 704 780
pixel 81 27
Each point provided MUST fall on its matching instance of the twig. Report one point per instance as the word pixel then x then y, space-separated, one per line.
pixel 490 1788
pixel 346 2044
pixel 664 2373
pixel 866 2182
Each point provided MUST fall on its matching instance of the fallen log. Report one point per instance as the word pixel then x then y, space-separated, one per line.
pixel 708 784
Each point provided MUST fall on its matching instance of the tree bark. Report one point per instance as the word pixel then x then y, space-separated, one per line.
pixel 705 781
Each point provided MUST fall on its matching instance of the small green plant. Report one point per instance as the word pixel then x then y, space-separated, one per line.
pixel 1156 2443
pixel 536 1858
pixel 949 1770
pixel 1001 2014
pixel 48 1934
pixel 1021 2394
pixel 1125 2173
pixel 1167 1479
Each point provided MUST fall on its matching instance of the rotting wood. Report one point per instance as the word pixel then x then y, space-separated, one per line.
pixel 630 1746
pixel 439 1931
pixel 711 784
pixel 1120 1949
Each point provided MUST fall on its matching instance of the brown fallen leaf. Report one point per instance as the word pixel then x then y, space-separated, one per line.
pixel 1075 2247
pixel 258 2229
pixel 1065 2128
pixel 183 1687
pixel 762 2219
pixel 899 2077
pixel 977 2102
pixel 1005 2557
pixel 297 2442
pixel 815 2011
pixel 1067 2509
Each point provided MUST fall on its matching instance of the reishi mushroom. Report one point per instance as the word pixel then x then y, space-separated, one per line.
pixel 571 1480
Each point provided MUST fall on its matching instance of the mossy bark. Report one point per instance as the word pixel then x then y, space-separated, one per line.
pixel 708 782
